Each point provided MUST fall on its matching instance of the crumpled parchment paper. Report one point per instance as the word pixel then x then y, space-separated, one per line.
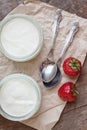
pixel 51 106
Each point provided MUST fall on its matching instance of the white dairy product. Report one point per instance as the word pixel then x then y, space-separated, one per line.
pixel 19 37
pixel 18 97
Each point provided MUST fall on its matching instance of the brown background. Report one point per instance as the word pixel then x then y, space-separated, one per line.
pixel 74 116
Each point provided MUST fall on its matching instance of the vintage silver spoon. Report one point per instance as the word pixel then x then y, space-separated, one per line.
pixel 50 72
pixel 49 59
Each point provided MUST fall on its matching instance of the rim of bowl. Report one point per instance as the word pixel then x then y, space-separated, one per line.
pixel 34 111
pixel 40 32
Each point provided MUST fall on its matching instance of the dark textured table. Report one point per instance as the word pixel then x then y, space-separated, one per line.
pixel 74 116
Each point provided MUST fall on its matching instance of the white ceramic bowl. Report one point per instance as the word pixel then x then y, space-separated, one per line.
pixel 36 24
pixel 37 106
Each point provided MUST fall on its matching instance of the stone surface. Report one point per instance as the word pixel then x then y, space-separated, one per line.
pixel 74 116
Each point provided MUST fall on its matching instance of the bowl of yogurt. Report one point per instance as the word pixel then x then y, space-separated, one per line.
pixel 20 97
pixel 21 37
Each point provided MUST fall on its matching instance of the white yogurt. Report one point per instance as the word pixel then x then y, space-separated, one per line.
pixel 18 97
pixel 19 37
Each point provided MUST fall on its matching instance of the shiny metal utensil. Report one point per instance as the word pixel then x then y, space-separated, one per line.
pixel 52 68
pixel 48 62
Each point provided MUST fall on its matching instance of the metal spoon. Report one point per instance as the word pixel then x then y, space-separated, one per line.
pixel 52 68
pixel 50 60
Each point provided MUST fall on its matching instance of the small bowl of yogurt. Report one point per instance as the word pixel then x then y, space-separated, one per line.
pixel 20 97
pixel 21 37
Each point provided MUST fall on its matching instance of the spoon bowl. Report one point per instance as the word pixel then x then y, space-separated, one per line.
pixel 54 81
pixel 49 72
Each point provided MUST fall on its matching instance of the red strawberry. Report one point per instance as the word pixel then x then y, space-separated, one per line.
pixel 72 66
pixel 68 92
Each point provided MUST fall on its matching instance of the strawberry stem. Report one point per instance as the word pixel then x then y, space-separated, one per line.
pixel 74 91
pixel 74 64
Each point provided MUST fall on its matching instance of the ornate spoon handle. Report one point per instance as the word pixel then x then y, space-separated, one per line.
pixel 55 29
pixel 69 39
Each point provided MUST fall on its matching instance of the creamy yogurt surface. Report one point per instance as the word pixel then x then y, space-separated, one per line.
pixel 18 97
pixel 19 37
